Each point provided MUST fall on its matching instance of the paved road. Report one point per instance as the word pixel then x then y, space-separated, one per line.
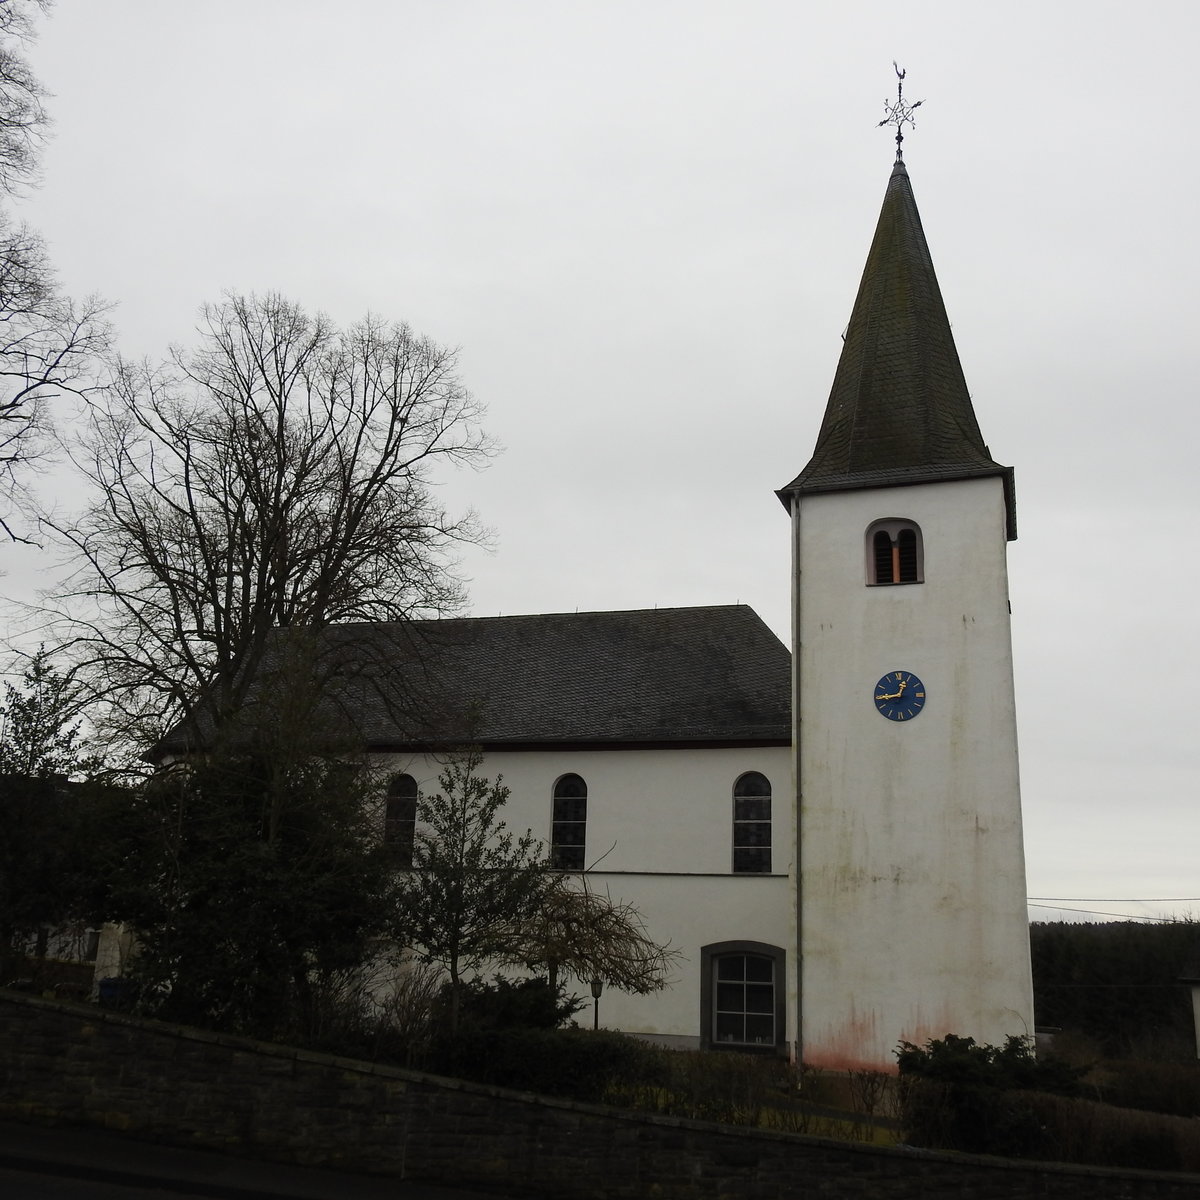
pixel 28 1185
pixel 77 1164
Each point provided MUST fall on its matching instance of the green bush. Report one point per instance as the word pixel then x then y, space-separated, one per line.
pixel 974 1119
pixel 965 1062
pixel 957 1094
pixel 1161 1087
pixel 734 1089
pixel 574 1063
pixel 1087 1131
pixel 401 1016
pixel 512 1004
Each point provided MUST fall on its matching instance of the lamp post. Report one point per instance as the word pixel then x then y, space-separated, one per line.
pixel 597 988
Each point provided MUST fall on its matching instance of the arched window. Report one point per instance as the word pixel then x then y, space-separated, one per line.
pixel 742 996
pixel 400 819
pixel 568 829
pixel 752 824
pixel 894 553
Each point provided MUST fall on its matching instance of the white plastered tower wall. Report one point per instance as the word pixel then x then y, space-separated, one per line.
pixel 910 900
pixel 912 919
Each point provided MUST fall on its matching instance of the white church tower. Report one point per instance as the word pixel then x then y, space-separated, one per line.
pixel 910 875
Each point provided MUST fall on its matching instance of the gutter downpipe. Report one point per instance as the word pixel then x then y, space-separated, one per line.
pixel 797 787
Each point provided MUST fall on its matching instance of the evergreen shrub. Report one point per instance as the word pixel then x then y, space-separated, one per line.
pixel 511 1004
pixel 577 1064
pixel 957 1094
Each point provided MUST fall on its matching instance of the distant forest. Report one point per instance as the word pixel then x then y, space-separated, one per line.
pixel 1117 984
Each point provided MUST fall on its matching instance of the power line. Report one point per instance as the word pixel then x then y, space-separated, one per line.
pixel 1120 899
pixel 1095 912
pixel 1145 987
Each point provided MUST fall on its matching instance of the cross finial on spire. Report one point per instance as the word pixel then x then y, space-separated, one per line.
pixel 899 113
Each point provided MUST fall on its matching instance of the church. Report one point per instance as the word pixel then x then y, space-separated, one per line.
pixel 831 837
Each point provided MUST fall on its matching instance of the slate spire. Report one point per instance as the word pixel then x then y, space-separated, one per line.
pixel 899 411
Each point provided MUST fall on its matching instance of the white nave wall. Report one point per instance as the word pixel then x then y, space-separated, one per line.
pixel 659 836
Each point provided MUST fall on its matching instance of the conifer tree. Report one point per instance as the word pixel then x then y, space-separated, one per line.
pixel 40 724
pixel 475 886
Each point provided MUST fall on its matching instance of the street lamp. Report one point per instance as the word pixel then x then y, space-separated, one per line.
pixel 597 988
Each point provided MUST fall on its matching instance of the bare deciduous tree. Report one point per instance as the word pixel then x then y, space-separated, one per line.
pixel 47 345
pixel 23 119
pixel 279 475
pixel 590 935
pixel 47 341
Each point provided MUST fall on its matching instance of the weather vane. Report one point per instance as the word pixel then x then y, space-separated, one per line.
pixel 899 113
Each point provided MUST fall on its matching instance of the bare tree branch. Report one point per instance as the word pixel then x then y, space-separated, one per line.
pixel 592 936
pixel 280 475
pixel 47 341
pixel 23 119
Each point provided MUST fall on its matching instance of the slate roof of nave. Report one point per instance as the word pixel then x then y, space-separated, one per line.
pixel 899 411
pixel 644 676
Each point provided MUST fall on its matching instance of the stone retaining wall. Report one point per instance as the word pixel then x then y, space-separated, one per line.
pixel 77 1064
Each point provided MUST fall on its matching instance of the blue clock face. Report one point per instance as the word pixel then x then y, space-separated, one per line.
pixel 899 696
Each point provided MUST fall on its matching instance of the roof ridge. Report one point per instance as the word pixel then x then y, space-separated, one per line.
pixel 599 612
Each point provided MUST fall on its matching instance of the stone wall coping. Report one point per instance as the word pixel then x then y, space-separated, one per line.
pixel 93 1014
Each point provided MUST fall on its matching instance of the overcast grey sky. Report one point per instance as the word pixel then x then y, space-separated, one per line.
pixel 644 224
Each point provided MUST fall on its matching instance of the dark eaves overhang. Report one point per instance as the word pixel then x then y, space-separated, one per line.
pixel 509 745
pixel 892 478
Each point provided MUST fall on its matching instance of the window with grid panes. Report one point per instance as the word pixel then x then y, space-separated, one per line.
pixel 400 819
pixel 568 829
pixel 744 1000
pixel 752 824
